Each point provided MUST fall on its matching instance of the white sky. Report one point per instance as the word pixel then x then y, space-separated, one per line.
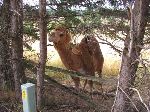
pixel 31 2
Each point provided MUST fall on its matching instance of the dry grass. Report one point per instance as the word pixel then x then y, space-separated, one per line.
pixel 110 68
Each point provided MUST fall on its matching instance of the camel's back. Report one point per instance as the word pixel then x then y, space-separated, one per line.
pixel 95 51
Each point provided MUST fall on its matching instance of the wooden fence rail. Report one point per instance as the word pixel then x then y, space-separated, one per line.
pixel 104 80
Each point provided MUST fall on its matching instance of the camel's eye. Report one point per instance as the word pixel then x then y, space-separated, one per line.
pixel 61 35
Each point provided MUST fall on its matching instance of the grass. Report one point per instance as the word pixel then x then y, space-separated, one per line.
pixel 110 68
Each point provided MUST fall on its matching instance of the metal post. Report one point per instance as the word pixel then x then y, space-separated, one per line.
pixel 28 97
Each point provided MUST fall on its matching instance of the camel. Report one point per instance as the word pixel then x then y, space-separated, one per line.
pixel 85 57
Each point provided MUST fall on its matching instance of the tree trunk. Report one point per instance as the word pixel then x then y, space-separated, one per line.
pixel 6 76
pixel 43 52
pixel 17 45
pixel 130 56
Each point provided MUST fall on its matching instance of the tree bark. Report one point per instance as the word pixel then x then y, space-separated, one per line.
pixel 43 52
pixel 17 45
pixel 130 56
pixel 6 76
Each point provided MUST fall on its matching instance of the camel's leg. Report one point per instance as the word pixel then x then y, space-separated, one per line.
pixel 100 76
pixel 85 84
pixel 76 81
pixel 90 82
pixel 99 73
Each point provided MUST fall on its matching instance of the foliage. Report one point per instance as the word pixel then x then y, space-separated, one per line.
pixel 73 13
pixel 30 29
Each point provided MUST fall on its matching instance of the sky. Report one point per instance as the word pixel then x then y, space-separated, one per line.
pixel 36 2
pixel 31 2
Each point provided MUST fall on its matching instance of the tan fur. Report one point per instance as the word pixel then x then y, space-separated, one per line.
pixel 86 57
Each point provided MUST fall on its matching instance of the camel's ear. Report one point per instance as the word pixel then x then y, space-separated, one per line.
pixel 68 37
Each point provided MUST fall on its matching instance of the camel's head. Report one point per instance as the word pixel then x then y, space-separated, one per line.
pixel 60 35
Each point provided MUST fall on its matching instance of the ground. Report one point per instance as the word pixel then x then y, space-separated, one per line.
pixel 58 99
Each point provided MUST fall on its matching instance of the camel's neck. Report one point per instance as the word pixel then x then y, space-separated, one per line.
pixel 64 52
